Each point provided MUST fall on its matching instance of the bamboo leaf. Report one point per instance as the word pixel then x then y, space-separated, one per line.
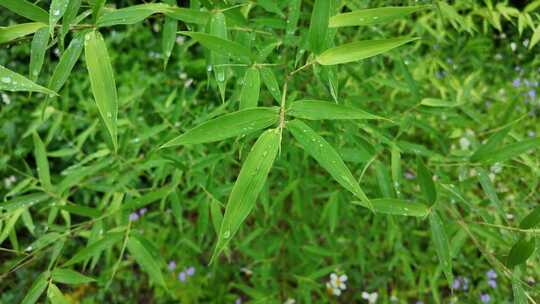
pixel 67 62
pixel 26 9
pixel 229 125
pixel 442 245
pixel 318 27
pixel 131 15
pixel 218 28
pixel 519 293
pixel 535 38
pixel 55 295
pixel 520 252
pixel 40 283
pixel 531 220
pixel 217 216
pixel 37 52
pixel 251 86
pixel 11 81
pixel 102 81
pixel 327 157
pixel 23 201
pixel 396 207
pixel 249 183
pixel 188 15
pixel 56 11
pixel 19 30
pixel 318 109
pixel 217 44
pixel 40 154
pixel 68 276
pixel 373 15
pixel 439 103
pixel 170 26
pixel 490 145
pixel 96 247
pixel 138 249
pixel 425 179
pixel 270 82
pixel 509 151
pixel 360 50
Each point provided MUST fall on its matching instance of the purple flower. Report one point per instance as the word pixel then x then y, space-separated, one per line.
pixel 457 283
pixel 516 83
pixel 133 217
pixel 491 274
pixel 532 94
pixel 492 283
pixel 485 298
pixel 171 266
pixel 182 277
pixel 190 271
pixel 238 301
pixel 142 211
pixel 465 282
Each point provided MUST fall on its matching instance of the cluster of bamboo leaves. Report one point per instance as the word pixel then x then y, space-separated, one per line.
pixel 211 29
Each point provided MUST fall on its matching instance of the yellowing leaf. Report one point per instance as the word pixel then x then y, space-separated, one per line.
pixel 360 50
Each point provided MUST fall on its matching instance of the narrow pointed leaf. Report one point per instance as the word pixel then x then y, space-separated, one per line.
pixel 170 26
pixel 270 82
pixel 531 220
pixel 23 201
pixel 249 94
pixel 396 207
pixel 326 156
pixel 216 214
pixel 439 103
pixel 425 179
pixel 520 252
pixel 56 11
pixel 373 15
pixel 132 14
pixel 39 285
pixel 216 44
pixel 360 50
pixel 442 245
pixel 490 145
pixel 102 81
pixel 535 38
pixel 229 125
pixel 188 15
pixel 519 293
pixel 68 276
pixel 218 28
pixel 37 52
pixel 67 62
pixel 19 30
pixel 40 154
pixel 55 295
pixel 96 247
pixel 318 109
pixel 509 151
pixel 249 183
pixel 26 9
pixel 138 249
pixel 11 81
pixel 319 25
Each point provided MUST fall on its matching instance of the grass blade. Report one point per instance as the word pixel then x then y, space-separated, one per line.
pixel 217 44
pixel 327 157
pixel 102 81
pixel 26 9
pixel 188 15
pixel 373 15
pixel 229 125
pixel 249 183
pixel 395 206
pixel 249 95
pixel 318 109
pixel 360 50
pixel 137 248
pixel 170 26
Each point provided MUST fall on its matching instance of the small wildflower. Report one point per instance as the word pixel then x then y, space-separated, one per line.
pixel 465 282
pixel 394 299
pixel 246 271
pixel 492 283
pixel 238 301
pixel 531 133
pixel 516 83
pixel 513 46
pixel 142 211
pixel 8 181
pixel 532 94
pixel 491 274
pixel 408 175
pixel 457 283
pixel 180 39
pixel 338 281
pixel 190 271
pixel 332 290
pixel 370 297
pixel 182 277
pixel 171 266
pixel 464 143
pixel 509 216
pixel 6 99
pixel 485 298
pixel 188 83
pixel 133 217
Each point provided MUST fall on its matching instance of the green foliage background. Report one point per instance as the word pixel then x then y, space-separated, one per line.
pixel 460 137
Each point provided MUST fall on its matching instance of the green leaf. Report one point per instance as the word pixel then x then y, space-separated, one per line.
pixel 535 37
pixel 55 295
pixel 40 154
pixel 131 15
pixel 251 86
pixel 442 246
pixel 270 82
pixel 439 103
pixel 26 9
pixel 82 210
pixel 360 50
pixel 215 212
pixel 39 285
pixel 511 150
pixel 396 207
pixel 318 27
pixel 23 201
pixel 249 183
pixel 531 220
pixel 68 276
pixel 19 30
pixel 229 125
pixel 327 157
pixel 218 28
pixel 170 26
pixel 318 109
pixel 11 81
pixel 490 146
pixel 96 247
pixel 188 15
pixel 138 249
pixel 216 44
pixel 519 293
pixel 67 62
pixel 37 52
pixel 425 179
pixel 373 15
pixel 520 252
pixel 56 11
pixel 101 75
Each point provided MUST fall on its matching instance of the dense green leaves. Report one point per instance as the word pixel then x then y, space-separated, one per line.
pixel 270 81
pixel 251 86
pixel 56 11
pixel 509 151
pixel 229 125
pixel 131 14
pixel 249 183
pixel 396 207
pixel 26 9
pixel 442 246
pixel 373 15
pixel 360 50
pixel 490 146
pixel 95 248
pixel 318 109
pixel 327 157
pixel 138 248
pixel 520 252
pixel 11 81
pixel 319 25
pixel 101 76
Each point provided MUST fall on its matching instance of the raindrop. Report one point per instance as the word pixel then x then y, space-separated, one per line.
pixel 227 234
pixel 29 248
pixel 209 68
pixel 6 79
pixel 57 13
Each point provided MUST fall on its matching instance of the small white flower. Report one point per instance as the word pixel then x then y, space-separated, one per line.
pixel 290 301
pixel 246 271
pixel 393 298
pixel 509 216
pixel 464 143
pixel 183 76
pixel 526 42
pixel 370 297
pixel 8 181
pixel 513 46
pixel 496 168
pixel 180 39
pixel 332 290
pixel 6 99
pixel 338 281
pixel 188 83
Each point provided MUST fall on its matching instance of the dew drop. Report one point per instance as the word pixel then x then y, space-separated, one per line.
pixel 227 234
pixel 29 248
pixel 6 79
pixel 56 13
